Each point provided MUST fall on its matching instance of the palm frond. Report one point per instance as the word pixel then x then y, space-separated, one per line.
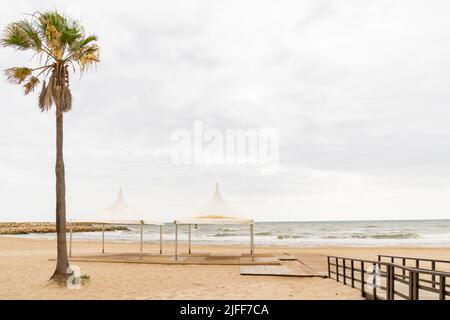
pixel 51 25
pixel 66 100
pixel 14 36
pixel 30 85
pixel 87 57
pixel 46 96
pixel 71 33
pixel 88 40
pixel 17 75
pixel 51 21
pixel 32 33
pixel 77 46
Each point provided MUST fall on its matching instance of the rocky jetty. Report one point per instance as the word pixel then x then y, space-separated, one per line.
pixel 41 227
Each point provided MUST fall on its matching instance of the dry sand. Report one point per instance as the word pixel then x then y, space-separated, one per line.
pixel 25 269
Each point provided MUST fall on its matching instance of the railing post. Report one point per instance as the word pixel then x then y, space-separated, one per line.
pixel 363 284
pixel 404 270
pixel 433 277
pixel 374 281
pixel 353 273
pixel 442 288
pixel 388 282
pixel 337 269
pixel 411 285
pixel 393 283
pixel 329 267
pixel 416 285
pixel 344 270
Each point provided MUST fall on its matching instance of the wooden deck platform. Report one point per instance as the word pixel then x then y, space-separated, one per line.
pixel 193 259
pixel 305 265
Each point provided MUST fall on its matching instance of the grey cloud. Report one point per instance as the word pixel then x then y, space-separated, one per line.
pixel 358 90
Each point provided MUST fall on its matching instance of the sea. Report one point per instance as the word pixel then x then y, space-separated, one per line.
pixel 434 233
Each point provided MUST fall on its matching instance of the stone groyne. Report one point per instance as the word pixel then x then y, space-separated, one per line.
pixel 43 227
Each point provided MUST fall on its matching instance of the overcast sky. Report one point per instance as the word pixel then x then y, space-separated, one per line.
pixel 359 91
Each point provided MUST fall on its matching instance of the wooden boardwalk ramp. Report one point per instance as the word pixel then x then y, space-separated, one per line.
pixel 304 265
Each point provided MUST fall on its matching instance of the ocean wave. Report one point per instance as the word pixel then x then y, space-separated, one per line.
pixel 223 235
pixel 284 237
pixel 389 235
pixel 263 234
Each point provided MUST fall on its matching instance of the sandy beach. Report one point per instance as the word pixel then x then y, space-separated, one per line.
pixel 25 267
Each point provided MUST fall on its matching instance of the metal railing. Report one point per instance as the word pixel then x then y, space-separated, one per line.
pixel 395 281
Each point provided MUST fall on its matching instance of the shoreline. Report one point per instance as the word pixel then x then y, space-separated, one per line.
pixel 168 240
pixel 199 243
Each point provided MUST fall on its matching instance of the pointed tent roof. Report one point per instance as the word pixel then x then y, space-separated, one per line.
pixel 120 209
pixel 217 211
pixel 217 207
pixel 120 212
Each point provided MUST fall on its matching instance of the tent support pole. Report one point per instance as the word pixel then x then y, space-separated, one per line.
pixel 176 241
pixel 142 240
pixel 252 241
pixel 160 239
pixel 103 238
pixel 190 250
pixel 70 246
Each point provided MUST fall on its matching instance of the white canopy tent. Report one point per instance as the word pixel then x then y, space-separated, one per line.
pixel 217 212
pixel 119 213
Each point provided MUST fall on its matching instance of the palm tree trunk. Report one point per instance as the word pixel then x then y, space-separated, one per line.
pixel 62 264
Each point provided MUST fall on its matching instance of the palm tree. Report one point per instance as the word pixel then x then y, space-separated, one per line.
pixel 59 44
